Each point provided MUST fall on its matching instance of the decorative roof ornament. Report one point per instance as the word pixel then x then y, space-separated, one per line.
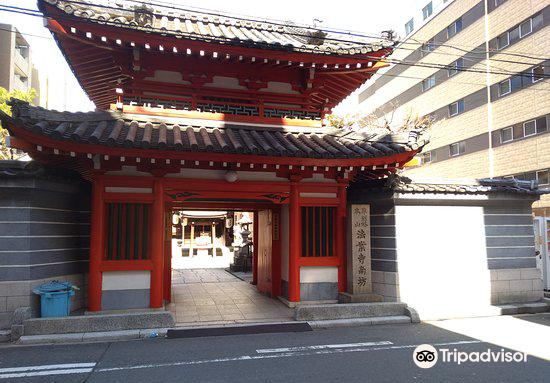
pixel 143 15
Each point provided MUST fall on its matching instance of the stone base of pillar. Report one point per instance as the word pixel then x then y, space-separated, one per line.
pixel 359 298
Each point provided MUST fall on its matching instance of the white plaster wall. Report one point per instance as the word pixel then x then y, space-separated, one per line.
pixel 312 274
pixel 126 280
pixel 127 171
pixel 284 242
pixel 225 82
pixel 442 260
pixel 220 175
pixel 318 177
pixel 279 87
pixel 168 76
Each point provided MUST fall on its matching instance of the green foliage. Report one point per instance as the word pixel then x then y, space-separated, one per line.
pixel 5 96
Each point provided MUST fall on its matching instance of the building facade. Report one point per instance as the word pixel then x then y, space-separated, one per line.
pixel 478 69
pixel 17 71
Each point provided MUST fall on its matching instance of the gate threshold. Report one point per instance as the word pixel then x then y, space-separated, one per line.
pixel 241 329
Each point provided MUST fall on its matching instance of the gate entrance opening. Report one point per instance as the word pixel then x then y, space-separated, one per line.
pixel 221 264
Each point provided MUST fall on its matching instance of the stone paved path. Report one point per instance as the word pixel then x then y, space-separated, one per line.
pixel 214 296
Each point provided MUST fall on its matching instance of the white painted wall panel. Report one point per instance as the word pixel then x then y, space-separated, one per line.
pixel 311 274
pixel 126 280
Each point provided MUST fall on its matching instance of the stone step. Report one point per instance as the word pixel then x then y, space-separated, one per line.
pixel 98 322
pixel 5 336
pixel 349 311
pixel 525 308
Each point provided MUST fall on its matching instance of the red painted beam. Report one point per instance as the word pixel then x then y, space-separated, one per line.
pixel 294 243
pixel 255 250
pixel 96 246
pixel 157 244
pixel 341 223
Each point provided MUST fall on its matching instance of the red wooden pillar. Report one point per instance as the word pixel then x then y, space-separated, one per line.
pixel 341 224
pixel 167 282
pixel 157 244
pixel 255 249
pixel 294 243
pixel 96 245
pixel 276 253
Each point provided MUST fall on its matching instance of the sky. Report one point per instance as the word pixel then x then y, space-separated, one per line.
pixel 64 92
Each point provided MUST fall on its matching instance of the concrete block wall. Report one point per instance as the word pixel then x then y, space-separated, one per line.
pixel 386 285
pixel 516 285
pixel 44 235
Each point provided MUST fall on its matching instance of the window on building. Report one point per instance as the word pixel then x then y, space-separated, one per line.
pixel 427 10
pixel 537 73
pixel 428 46
pixel 531 176
pixel 428 83
pixel 525 28
pixel 543 177
pixel 24 80
pixel 454 28
pixel 456 108
pixel 318 231
pixel 503 41
pixel 427 157
pixel 513 35
pixel 529 128
pixel 542 126
pixel 537 21
pixel 499 2
pixel 516 82
pixel 504 87
pixel 409 26
pixel 457 148
pixel 455 67
pixel 22 49
pixel 506 135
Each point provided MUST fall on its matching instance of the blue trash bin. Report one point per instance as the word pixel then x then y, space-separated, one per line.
pixel 55 298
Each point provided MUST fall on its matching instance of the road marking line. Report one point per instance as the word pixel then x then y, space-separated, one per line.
pixel 322 347
pixel 274 356
pixel 45 373
pixel 46 367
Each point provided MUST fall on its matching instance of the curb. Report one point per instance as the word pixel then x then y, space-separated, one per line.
pixel 125 335
pixel 335 323
pixel 105 336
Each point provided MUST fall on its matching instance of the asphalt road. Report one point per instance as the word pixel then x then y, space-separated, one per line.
pixel 358 354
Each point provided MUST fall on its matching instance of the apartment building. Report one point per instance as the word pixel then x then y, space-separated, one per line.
pixel 478 69
pixel 16 68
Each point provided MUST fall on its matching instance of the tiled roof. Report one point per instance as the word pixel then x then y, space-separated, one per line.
pixel 170 20
pixel 404 184
pixel 116 129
